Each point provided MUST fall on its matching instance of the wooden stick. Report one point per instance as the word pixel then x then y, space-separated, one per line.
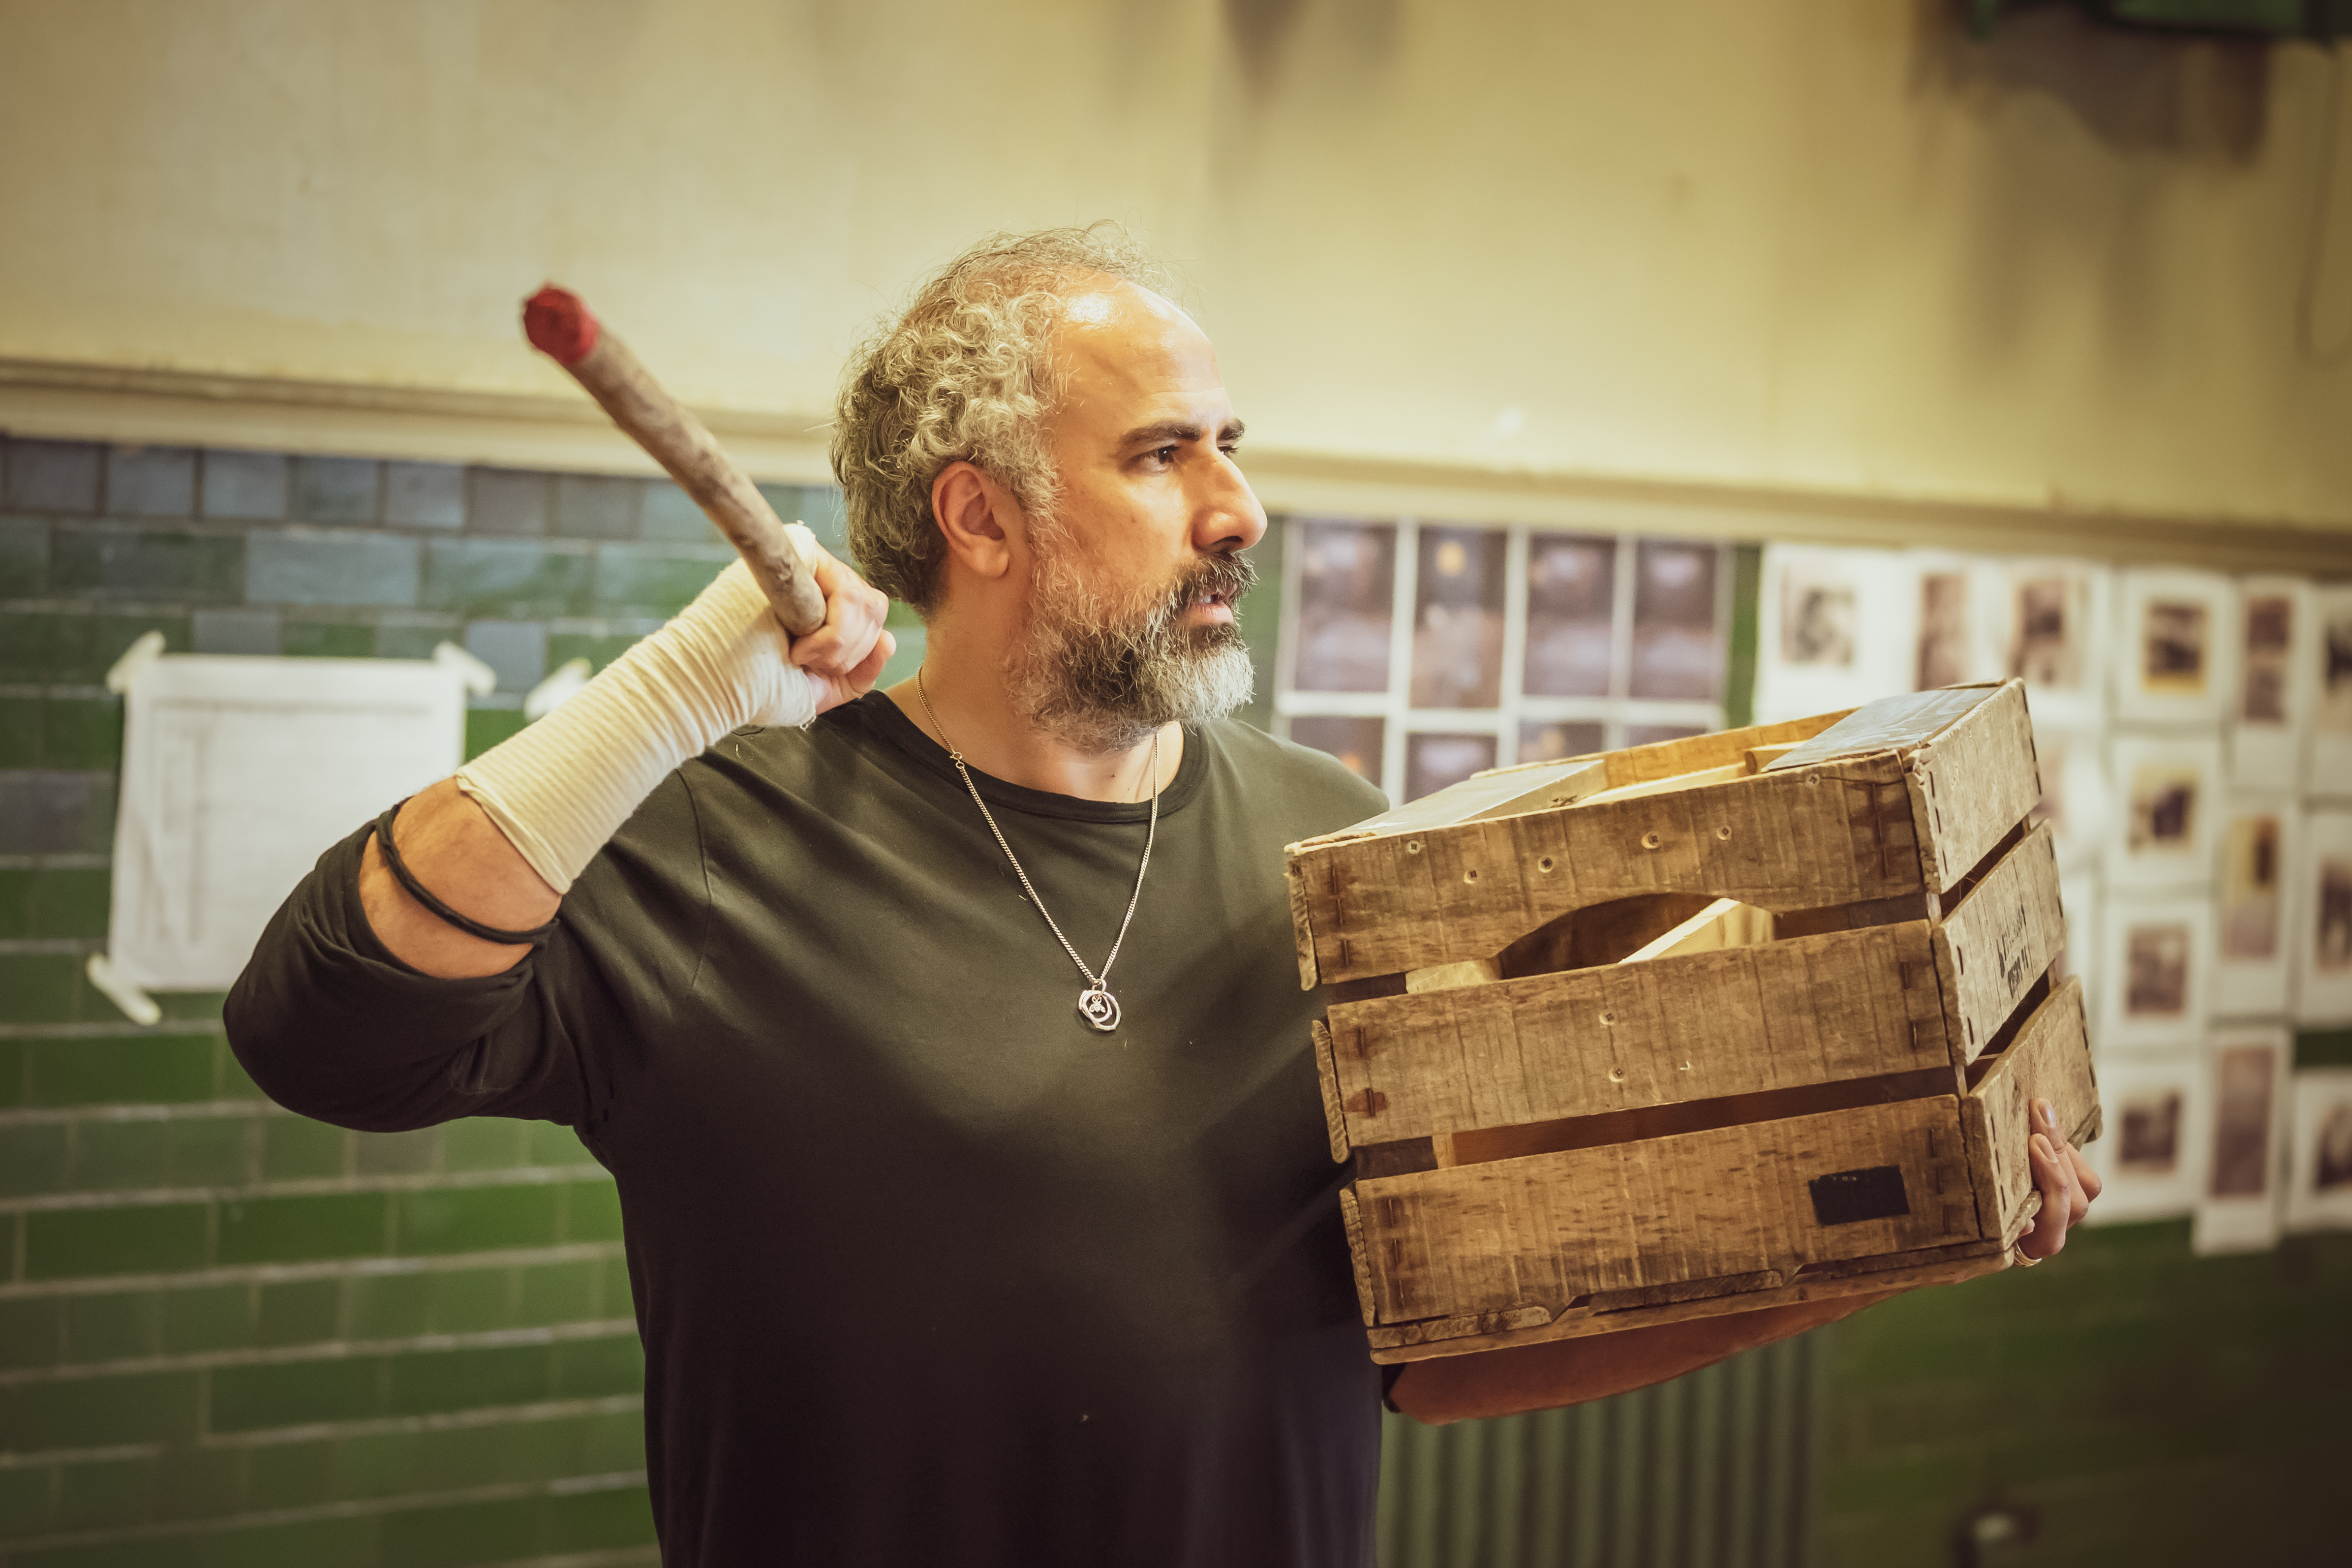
pixel 560 326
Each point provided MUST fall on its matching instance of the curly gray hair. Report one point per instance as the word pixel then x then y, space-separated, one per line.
pixel 964 373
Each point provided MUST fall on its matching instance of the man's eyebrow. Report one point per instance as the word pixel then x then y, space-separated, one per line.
pixel 1178 430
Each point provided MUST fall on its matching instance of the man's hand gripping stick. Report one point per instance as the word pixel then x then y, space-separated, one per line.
pixel 560 326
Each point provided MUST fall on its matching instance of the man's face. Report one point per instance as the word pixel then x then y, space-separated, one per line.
pixel 1135 574
pixel 1143 445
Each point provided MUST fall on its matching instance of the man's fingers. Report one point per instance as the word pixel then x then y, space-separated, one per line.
pixel 2071 1164
pixel 2049 1233
pixel 854 615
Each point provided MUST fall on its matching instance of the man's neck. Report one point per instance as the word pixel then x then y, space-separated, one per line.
pixel 970 702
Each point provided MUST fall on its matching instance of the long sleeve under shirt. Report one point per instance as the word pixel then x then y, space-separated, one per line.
pixel 927 1271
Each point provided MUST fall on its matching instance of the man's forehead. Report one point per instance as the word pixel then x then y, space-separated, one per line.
pixel 1124 344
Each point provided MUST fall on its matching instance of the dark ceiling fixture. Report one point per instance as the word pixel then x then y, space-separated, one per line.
pixel 2236 18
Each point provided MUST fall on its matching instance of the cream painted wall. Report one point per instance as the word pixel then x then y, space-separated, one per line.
pixel 1777 245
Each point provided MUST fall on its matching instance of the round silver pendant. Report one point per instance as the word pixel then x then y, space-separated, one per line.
pixel 1099 1008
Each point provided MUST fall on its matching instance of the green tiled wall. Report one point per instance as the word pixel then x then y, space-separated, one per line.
pixel 229 1335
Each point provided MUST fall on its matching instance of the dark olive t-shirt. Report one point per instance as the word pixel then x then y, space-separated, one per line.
pixel 927 1271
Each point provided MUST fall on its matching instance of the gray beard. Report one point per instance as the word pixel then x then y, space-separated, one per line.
pixel 1101 677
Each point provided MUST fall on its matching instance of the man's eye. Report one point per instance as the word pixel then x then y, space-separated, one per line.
pixel 1164 454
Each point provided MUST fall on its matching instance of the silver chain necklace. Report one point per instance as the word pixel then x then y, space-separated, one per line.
pixel 1096 1006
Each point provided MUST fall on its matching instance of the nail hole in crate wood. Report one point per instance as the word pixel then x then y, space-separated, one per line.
pixel 1650 840
pixel 1412 846
pixel 1545 864
pixel 1471 875
pixel 1724 832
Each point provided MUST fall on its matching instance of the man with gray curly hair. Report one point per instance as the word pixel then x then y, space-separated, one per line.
pixel 948 1053
pixel 968 375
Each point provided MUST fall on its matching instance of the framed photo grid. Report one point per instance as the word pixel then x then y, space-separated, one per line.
pixel 1420 652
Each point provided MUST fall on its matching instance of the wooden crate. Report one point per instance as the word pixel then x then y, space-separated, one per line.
pixel 1695 1027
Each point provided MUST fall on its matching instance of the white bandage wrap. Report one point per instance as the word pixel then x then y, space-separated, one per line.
pixel 563 787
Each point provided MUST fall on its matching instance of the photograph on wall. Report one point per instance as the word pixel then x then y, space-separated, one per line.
pixel 1457 619
pixel 1678 650
pixel 2072 764
pixel 2152 1155
pixel 2050 626
pixel 2319 1151
pixel 2277 621
pixel 2248 1072
pixel 2253 955
pixel 2176 646
pixel 2328 758
pixel 2323 897
pixel 2168 798
pixel 1347 582
pixel 2156 964
pixel 1571 606
pixel 1957 637
pixel 1835 628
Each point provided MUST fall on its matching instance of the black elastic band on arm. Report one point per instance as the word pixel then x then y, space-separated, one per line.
pixel 535 937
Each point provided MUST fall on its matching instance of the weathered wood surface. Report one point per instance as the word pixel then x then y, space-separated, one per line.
pixel 1666 759
pixel 1890 724
pixel 1424 1341
pixel 1835 835
pixel 1805 1010
pixel 1738 770
pixel 1327 1077
pixel 1972 784
pixel 1841 831
pixel 1499 792
pixel 1541 1231
pixel 2049 1059
pixel 1999 940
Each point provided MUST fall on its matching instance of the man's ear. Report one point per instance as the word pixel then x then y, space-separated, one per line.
pixel 977 518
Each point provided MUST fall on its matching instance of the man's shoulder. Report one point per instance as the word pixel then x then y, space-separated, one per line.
pixel 1314 784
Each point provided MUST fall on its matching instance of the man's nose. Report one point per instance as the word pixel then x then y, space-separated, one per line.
pixel 1227 516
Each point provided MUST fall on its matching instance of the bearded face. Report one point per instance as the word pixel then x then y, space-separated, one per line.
pixel 1103 668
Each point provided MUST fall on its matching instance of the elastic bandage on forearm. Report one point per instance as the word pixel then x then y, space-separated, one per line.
pixel 560 789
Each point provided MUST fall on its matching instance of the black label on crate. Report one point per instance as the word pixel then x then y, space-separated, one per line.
pixel 1846 1197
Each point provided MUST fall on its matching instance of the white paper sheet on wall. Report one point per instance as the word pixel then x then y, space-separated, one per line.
pixel 2053 629
pixel 238 772
pixel 2328 759
pixel 2177 646
pixel 1835 628
pixel 2156 1148
pixel 2261 842
pixel 2319 1179
pixel 2249 1078
pixel 2278 679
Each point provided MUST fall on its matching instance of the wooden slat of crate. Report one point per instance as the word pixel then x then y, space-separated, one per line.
pixel 1737 1021
pixel 1833 832
pixel 1695 753
pixel 1838 835
pixel 1999 940
pixel 1972 784
pixel 2049 1059
pixel 1543 1230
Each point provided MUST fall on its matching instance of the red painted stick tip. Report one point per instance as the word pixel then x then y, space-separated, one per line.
pixel 559 325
